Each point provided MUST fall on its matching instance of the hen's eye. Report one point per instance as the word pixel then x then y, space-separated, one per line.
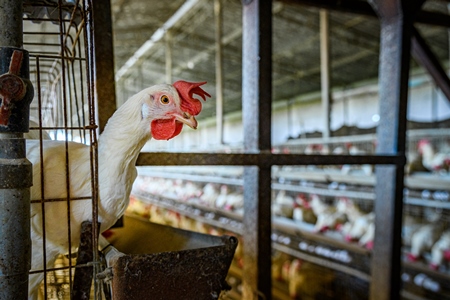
pixel 165 99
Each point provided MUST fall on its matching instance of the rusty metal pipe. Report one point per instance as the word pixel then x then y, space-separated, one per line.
pixel 16 93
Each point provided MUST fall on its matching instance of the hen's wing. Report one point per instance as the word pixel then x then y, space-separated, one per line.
pixel 53 173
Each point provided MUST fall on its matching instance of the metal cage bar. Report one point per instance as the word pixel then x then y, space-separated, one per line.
pixel 396 34
pixel 62 49
pixel 257 110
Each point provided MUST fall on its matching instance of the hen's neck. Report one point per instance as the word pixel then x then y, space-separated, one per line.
pixel 124 136
pixel 427 152
pixel 118 148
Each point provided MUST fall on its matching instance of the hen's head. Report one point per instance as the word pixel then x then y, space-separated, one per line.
pixel 171 106
pixel 422 144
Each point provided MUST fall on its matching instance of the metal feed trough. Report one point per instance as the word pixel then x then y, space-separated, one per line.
pixel 161 262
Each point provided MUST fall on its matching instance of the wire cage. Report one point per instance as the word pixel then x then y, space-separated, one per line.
pixel 72 76
pixel 55 35
pixel 59 40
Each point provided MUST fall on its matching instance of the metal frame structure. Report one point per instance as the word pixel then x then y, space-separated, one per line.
pixel 397 19
pixel 61 65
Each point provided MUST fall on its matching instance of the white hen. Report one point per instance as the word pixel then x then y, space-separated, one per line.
pixel 432 160
pixel 159 112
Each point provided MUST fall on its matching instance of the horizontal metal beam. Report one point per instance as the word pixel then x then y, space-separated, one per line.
pixel 433 18
pixel 353 6
pixel 364 8
pixel 261 159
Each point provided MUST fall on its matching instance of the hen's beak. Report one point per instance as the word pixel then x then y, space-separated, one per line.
pixel 187 119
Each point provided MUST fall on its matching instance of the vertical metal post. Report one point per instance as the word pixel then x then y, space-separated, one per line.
pixel 82 281
pixel 16 94
pixel 290 122
pixel 219 70
pixel 103 63
pixel 395 46
pixel 325 71
pixel 434 105
pixel 256 108
pixel 168 44
pixel 100 73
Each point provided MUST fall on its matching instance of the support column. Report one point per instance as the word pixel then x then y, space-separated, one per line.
pixel 395 46
pixel 103 61
pixel 16 93
pixel 325 71
pixel 168 45
pixel 219 70
pixel 393 82
pixel 256 109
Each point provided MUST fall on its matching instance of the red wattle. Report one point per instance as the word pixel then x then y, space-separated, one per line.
pixel 165 129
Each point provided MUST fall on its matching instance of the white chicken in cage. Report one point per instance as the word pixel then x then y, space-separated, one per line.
pixel 159 112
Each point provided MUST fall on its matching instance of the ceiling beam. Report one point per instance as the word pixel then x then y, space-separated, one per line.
pixel 156 37
pixel 423 55
pixel 228 39
pixel 364 8
pixel 302 73
pixel 352 6
pixel 207 52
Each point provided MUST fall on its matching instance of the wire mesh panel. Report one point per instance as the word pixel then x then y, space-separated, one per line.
pixel 58 68
pixel 56 33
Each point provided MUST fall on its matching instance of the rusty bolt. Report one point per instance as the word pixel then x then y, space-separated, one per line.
pixel 12 86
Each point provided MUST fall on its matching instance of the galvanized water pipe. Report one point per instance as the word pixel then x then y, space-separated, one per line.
pixel 16 93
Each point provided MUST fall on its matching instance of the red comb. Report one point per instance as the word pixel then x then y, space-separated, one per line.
pixel 424 142
pixel 186 90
